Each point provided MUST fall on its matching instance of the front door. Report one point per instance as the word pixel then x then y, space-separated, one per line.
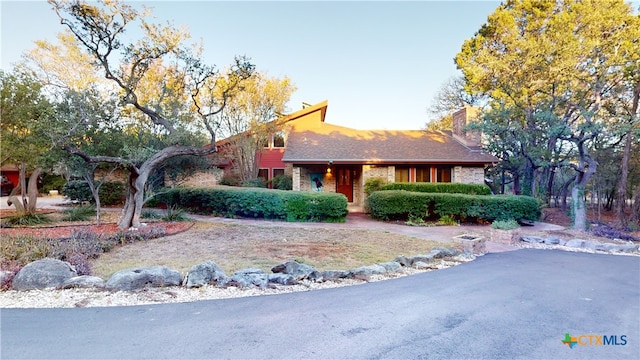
pixel 345 182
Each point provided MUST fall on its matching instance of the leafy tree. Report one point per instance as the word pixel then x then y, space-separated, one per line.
pixel 159 60
pixel 247 121
pixel 26 118
pixel 553 65
pixel 451 97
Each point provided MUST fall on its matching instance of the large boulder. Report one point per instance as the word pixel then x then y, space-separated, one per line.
pixel 41 274
pixel 207 273
pixel 391 266
pixel 295 269
pixel 443 252
pixel 365 271
pixel 249 278
pixel 84 282
pixel 334 274
pixel 138 278
pixel 282 279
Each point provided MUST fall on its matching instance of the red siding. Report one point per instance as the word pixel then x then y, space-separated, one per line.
pixel 272 159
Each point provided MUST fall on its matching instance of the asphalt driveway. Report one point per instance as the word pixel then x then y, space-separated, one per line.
pixel 517 304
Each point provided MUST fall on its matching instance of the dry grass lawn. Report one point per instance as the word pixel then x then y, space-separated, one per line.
pixel 235 247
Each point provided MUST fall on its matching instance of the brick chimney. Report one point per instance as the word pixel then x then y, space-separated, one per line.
pixel 461 118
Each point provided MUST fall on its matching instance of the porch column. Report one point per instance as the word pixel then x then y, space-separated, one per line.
pixel 295 178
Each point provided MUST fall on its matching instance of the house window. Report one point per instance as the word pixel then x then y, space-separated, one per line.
pixel 444 173
pixel 277 172
pixel 402 174
pixel 278 139
pixel 263 173
pixel 263 142
pixel 423 174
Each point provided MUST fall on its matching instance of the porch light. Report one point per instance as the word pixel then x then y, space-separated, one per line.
pixel 328 170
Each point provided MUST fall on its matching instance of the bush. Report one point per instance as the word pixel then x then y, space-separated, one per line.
pixel 77 190
pixel 26 220
pixel 110 192
pixel 80 213
pixel 256 183
pixel 52 182
pixel 230 180
pixel 282 182
pixel 505 224
pixel 399 205
pixel 373 184
pixel 447 188
pixel 259 203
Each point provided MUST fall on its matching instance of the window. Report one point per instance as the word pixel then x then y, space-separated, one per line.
pixel 277 172
pixel 444 173
pixel 423 174
pixel 402 174
pixel 263 142
pixel 263 173
pixel 278 139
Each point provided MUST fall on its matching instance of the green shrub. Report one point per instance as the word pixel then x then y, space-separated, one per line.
pixel 257 183
pixel 26 220
pixel 230 180
pixel 399 205
pixel 447 188
pixel 505 224
pixel 150 214
pixel 110 192
pixel 80 213
pixel 447 220
pixel 373 184
pixel 77 190
pixel 174 213
pixel 259 203
pixel 52 182
pixel 282 182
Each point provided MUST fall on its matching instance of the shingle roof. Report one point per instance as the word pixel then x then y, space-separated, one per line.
pixel 340 144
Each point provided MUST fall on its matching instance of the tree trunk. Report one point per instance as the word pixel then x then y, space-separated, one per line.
pixel 635 208
pixel 94 192
pixel 578 205
pixel 622 185
pixel 28 199
pixel 135 199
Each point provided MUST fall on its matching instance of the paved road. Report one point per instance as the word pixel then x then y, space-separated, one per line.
pixel 516 304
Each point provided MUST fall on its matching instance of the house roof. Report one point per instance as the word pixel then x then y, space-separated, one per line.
pixel 344 145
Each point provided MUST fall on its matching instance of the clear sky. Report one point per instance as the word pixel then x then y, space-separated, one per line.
pixel 379 64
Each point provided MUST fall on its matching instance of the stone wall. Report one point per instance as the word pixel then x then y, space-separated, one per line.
pixel 468 175
pixel 202 179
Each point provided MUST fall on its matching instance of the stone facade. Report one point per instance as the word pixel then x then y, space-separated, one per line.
pixel 468 175
pixel 301 178
pixel 203 179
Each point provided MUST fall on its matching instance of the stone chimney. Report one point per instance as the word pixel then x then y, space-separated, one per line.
pixel 461 118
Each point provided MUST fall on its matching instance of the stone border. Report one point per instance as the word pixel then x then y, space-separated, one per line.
pixel 57 274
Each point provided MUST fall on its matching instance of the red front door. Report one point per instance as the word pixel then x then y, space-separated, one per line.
pixel 345 183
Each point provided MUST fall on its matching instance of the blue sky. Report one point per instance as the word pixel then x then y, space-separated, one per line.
pixel 379 64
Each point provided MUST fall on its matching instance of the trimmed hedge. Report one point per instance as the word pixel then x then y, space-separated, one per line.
pixel 399 205
pixel 111 192
pixel 445 188
pixel 259 203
